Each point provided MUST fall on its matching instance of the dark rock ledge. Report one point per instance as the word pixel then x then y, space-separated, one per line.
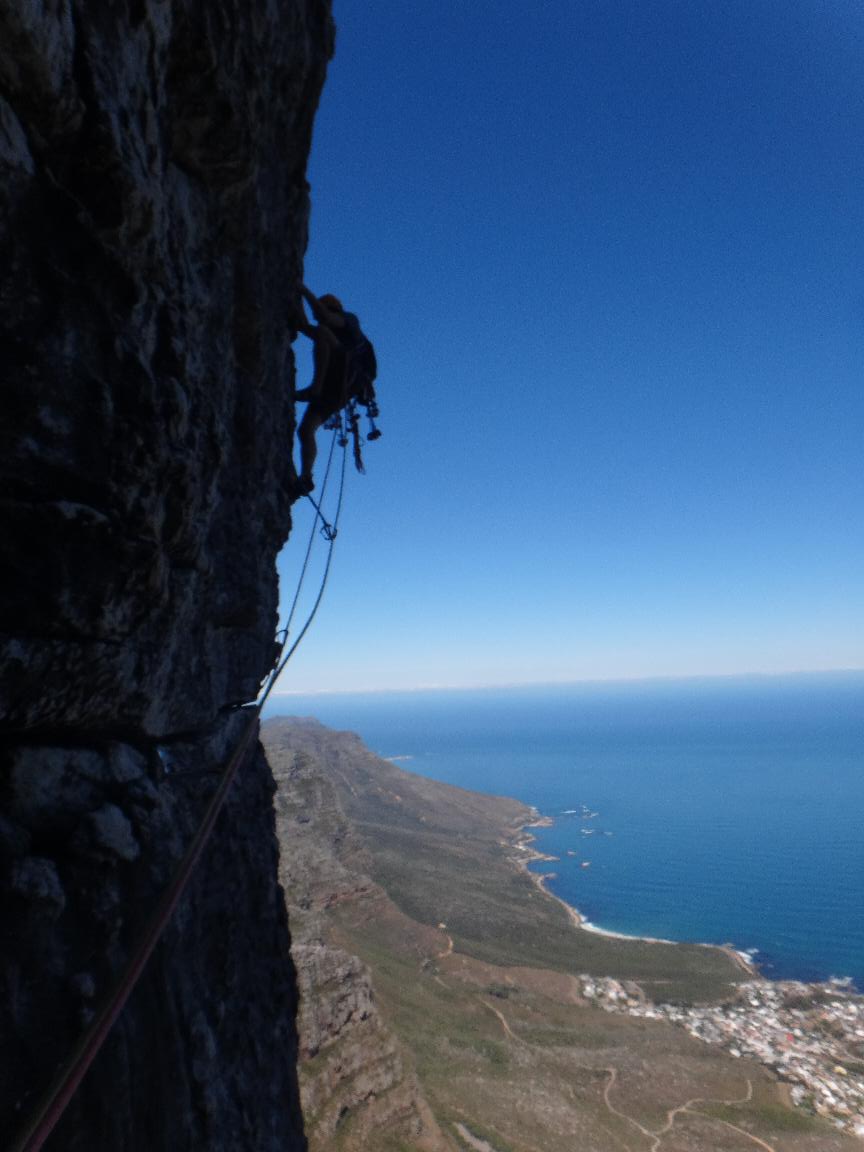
pixel 153 216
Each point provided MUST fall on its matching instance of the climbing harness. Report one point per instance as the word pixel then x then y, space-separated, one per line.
pixel 347 422
pixel 75 1067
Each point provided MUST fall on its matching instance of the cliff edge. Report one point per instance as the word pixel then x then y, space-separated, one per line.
pixel 153 217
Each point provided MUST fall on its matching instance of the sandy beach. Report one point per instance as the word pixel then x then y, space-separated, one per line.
pixel 527 855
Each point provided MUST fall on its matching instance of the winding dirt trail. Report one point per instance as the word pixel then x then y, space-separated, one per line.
pixel 511 1035
pixel 612 1073
pixel 688 1108
pixel 743 1132
pixel 448 951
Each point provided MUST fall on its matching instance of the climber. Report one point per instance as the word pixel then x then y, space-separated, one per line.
pixel 344 370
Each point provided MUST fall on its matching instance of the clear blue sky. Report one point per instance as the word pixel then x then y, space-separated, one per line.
pixel 611 254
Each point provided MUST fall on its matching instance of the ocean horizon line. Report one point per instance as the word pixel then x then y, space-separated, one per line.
pixel 711 803
pixel 583 682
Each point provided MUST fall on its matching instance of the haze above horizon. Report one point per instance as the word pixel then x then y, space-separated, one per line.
pixel 853 676
pixel 610 260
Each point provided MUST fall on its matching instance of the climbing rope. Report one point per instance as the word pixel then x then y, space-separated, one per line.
pixel 73 1070
pixel 283 634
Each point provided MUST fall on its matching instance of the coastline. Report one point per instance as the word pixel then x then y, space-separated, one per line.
pixel 527 855
pixel 780 1024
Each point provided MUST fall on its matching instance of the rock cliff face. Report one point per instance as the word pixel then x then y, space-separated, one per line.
pixel 356 1087
pixel 153 216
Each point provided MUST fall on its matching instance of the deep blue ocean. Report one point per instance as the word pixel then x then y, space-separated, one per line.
pixel 725 810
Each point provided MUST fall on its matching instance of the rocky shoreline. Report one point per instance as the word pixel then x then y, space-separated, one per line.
pixel 810 1035
pixel 527 855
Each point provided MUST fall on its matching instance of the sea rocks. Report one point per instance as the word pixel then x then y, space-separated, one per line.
pixel 153 220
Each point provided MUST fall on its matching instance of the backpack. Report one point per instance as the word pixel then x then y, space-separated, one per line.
pixel 361 366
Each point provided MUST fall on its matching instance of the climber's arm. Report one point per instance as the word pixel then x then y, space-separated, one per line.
pixel 321 313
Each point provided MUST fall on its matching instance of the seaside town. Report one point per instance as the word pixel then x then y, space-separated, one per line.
pixel 811 1035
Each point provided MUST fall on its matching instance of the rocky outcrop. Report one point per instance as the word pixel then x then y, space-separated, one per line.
pixel 356 1086
pixel 153 217
pixel 351 1069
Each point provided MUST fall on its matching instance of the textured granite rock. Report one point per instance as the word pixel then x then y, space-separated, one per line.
pixel 153 216
pixel 154 212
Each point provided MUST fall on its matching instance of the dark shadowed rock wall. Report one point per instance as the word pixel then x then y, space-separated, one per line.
pixel 153 216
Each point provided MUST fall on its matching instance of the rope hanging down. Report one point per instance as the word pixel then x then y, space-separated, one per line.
pixel 74 1068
